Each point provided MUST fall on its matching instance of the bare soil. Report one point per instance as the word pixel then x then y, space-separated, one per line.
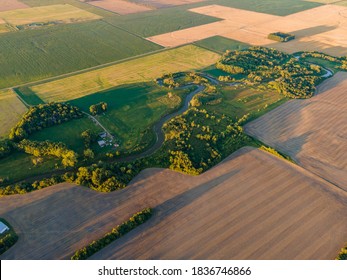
pixel 8 5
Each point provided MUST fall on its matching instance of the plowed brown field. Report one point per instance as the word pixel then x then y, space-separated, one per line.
pixel 251 206
pixel 313 131
pixel 8 5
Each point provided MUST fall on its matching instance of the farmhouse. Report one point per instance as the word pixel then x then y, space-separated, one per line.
pixel 3 228
pixel 102 143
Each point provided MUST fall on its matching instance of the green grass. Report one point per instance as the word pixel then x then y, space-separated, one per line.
pixel 239 102
pixel 132 109
pixel 327 64
pixel 19 166
pixel 221 44
pixel 68 133
pixel 37 54
pixel 11 111
pixel 137 70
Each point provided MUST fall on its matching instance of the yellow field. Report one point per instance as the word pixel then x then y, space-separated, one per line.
pixel 138 70
pixel 11 109
pixel 61 13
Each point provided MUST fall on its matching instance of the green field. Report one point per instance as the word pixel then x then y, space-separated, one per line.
pixel 131 110
pixel 274 7
pixel 11 110
pixel 68 133
pixel 221 44
pixel 241 101
pixel 19 166
pixel 142 69
pixel 46 52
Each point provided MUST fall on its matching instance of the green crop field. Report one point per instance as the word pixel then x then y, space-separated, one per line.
pixel 160 21
pixel 137 70
pixel 68 133
pixel 11 110
pixel 51 13
pixel 221 44
pixel 131 110
pixel 37 54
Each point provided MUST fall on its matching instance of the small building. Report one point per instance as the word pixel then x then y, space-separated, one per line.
pixel 103 135
pixel 102 143
pixel 3 228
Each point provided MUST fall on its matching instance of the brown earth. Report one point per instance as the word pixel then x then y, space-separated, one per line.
pixel 121 7
pixel 313 131
pixel 7 5
pixel 318 29
pixel 251 206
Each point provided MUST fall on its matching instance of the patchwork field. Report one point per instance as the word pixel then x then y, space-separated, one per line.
pixel 138 70
pixel 313 132
pixel 7 5
pixel 37 54
pixel 165 3
pixel 259 207
pixel 315 29
pixel 53 13
pixel 122 7
pixel 11 110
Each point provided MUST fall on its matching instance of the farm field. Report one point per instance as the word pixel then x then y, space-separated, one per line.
pixel 221 44
pixel 61 49
pixel 11 110
pixel 293 215
pixel 315 29
pixel 132 109
pixel 122 7
pixel 158 4
pixel 312 132
pixel 180 59
pixel 7 5
pixel 45 14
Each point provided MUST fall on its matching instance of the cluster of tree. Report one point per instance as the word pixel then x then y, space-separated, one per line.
pixel 5 148
pixel 208 96
pixel 281 37
pixel 98 109
pixel 340 61
pixel 198 140
pixel 278 70
pixel 117 232
pixel 343 254
pixel 42 116
pixel 47 148
pixel 275 153
pixel 7 241
pixel 169 80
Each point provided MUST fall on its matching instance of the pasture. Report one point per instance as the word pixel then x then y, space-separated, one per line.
pixel 221 44
pixel 266 208
pixel 313 132
pixel 137 70
pixel 52 13
pixel 8 5
pixel 32 55
pixel 132 110
pixel 122 7
pixel 11 110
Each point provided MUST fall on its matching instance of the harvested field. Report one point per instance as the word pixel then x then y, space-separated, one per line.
pixel 137 70
pixel 8 5
pixel 53 13
pixel 315 29
pixel 158 4
pixel 313 132
pixel 122 7
pixel 251 206
pixel 11 110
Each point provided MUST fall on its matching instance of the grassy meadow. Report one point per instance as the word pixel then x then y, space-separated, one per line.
pixel 221 44
pixel 11 110
pixel 142 69
pixel 132 110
